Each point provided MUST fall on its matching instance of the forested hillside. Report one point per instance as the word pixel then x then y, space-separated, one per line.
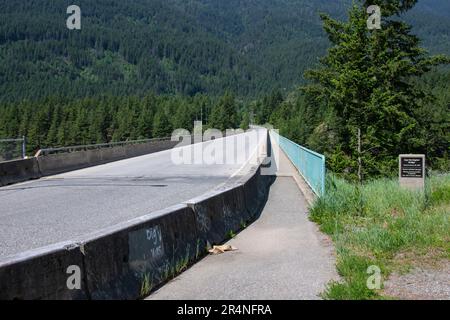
pixel 123 47
pixel 138 69
pixel 174 46
pixel 56 121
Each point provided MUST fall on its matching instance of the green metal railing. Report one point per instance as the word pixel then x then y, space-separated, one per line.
pixel 310 164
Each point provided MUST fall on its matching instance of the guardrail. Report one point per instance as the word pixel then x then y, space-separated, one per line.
pixel 46 151
pixel 59 160
pixel 310 164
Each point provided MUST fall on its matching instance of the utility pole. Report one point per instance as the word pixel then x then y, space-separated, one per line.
pixel 360 177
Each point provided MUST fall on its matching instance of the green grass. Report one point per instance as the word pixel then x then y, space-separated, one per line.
pixel 231 234
pixel 146 286
pixel 378 222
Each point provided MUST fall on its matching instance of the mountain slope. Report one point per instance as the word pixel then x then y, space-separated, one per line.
pixel 123 47
pixel 174 46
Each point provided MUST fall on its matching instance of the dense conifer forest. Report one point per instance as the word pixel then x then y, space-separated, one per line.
pixel 138 69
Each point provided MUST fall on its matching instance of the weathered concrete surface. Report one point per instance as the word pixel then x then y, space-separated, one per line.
pixel 42 274
pixel 121 260
pixel 18 170
pixel 280 256
pixel 126 260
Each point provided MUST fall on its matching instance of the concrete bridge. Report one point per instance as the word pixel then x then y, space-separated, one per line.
pixel 130 225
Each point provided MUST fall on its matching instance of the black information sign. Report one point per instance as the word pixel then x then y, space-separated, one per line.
pixel 412 168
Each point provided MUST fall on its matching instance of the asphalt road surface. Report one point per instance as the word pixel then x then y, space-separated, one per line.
pixel 61 207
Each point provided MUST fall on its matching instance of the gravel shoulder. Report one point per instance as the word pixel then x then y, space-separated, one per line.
pixel 430 282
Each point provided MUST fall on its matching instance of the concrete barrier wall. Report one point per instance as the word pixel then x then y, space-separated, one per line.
pixel 218 214
pixel 34 168
pixel 256 188
pixel 18 171
pixel 64 162
pixel 41 274
pixel 46 165
pixel 128 260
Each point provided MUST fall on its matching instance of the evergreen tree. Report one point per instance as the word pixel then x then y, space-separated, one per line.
pixel 269 105
pixel 224 115
pixel 183 118
pixel 51 139
pixel 161 125
pixel 366 81
pixel 145 121
pixel 245 123
pixel 216 118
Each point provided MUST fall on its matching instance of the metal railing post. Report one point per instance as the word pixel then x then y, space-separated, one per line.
pixel 24 147
pixel 324 172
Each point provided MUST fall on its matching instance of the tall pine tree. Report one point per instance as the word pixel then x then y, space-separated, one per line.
pixel 366 81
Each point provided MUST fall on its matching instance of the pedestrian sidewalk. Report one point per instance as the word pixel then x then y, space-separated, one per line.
pixel 280 256
pixel 283 167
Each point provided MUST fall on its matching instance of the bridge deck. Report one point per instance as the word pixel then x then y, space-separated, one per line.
pixel 66 206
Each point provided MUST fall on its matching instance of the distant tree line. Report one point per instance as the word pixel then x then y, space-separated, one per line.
pixel 58 122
